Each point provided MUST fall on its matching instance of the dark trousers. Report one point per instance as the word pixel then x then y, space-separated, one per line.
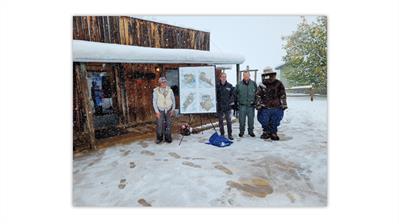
pixel 164 126
pixel 270 119
pixel 244 112
pixel 227 115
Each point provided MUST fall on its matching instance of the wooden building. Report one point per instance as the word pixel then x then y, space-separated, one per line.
pixel 118 60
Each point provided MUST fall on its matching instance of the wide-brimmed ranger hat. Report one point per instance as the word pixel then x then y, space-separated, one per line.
pixel 268 71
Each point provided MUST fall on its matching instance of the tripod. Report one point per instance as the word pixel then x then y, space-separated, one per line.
pixel 189 123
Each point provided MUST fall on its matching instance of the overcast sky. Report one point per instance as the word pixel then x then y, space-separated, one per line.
pixel 257 38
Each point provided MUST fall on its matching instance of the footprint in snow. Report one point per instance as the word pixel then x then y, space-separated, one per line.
pixel 122 183
pixel 148 153
pixel 191 164
pixel 144 203
pixel 224 169
pixel 175 155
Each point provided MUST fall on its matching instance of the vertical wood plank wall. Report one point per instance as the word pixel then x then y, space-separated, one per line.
pixel 133 31
pixel 133 96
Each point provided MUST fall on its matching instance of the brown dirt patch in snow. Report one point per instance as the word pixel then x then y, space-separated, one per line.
pixel 224 169
pixel 255 186
pixel 144 203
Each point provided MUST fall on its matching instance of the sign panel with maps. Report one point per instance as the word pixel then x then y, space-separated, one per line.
pixel 197 88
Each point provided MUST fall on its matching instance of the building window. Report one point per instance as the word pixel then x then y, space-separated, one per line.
pixel 100 92
pixel 173 80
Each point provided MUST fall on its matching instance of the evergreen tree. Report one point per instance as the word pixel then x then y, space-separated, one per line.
pixel 306 55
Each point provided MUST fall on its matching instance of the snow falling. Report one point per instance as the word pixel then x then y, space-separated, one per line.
pixel 251 172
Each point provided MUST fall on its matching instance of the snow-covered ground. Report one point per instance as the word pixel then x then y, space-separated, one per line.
pixel 250 173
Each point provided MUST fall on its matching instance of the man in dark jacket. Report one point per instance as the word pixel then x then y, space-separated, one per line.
pixel 271 101
pixel 245 93
pixel 225 100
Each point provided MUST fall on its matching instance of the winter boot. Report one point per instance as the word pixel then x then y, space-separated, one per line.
pixel 241 134
pixel 168 138
pixel 231 137
pixel 251 134
pixel 274 137
pixel 159 140
pixel 265 135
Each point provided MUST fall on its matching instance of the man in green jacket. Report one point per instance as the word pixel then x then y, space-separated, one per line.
pixel 245 93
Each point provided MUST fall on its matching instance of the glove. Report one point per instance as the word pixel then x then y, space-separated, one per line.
pixel 284 107
pixel 259 106
pixel 235 107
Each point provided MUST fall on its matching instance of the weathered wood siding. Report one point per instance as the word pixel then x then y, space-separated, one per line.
pixel 133 31
pixel 139 92
pixel 132 97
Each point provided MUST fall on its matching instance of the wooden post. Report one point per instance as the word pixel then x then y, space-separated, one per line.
pixel 120 98
pixel 82 82
pixel 123 88
pixel 311 93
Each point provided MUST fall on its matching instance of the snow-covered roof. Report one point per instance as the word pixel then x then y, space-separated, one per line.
pixel 87 51
pixel 280 66
pixel 224 67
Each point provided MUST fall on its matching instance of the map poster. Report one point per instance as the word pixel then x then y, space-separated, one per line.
pixel 197 88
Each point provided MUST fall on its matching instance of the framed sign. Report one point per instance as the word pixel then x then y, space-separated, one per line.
pixel 197 88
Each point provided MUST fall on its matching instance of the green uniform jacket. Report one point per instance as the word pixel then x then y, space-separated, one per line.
pixel 246 93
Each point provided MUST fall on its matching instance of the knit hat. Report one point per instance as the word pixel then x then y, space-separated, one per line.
pixel 268 71
pixel 162 79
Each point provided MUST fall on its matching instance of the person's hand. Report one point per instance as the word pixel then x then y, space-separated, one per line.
pixel 158 115
pixel 284 107
pixel 171 113
pixel 235 107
